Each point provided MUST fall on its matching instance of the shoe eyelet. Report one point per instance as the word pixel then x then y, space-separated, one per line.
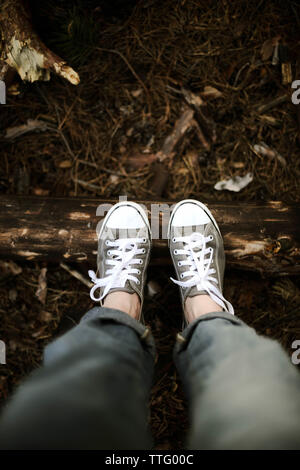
pixel 181 276
pixel 144 240
pixel 175 252
pixel 137 281
pixel 107 242
pixel 108 253
pixel 211 237
pixel 140 261
pixel 179 263
pixel 143 250
pixel 174 240
pixel 138 271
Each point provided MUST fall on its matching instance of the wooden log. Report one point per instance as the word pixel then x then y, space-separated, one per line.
pixel 260 237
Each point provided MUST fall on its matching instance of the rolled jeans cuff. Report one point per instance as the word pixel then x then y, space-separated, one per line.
pixel 183 338
pixel 105 315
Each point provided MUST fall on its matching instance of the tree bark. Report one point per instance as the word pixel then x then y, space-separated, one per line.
pixel 257 237
pixel 22 49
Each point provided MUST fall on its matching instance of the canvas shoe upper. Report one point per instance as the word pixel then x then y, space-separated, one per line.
pixel 197 251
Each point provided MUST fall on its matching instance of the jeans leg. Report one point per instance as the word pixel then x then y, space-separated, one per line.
pixel 91 392
pixel 243 391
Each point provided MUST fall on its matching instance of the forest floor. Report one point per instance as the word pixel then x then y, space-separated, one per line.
pixel 134 59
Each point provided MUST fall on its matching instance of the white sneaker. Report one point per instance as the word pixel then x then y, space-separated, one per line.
pixel 124 244
pixel 197 251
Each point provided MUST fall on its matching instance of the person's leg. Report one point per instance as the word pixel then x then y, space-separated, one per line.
pixel 243 391
pixel 92 391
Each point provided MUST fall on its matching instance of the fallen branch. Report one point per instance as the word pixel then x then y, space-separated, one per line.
pixel 258 237
pixel 182 124
pixel 204 123
pixel 31 125
pixel 24 51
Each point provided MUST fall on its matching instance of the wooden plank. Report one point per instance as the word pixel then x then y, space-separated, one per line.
pixel 260 237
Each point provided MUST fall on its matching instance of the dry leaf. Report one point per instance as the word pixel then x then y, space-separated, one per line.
pixel 139 160
pixel 41 192
pixel 234 184
pixel 267 48
pixel 129 132
pixel 192 98
pixel 238 164
pixel 65 164
pixel 211 93
pixel 45 317
pixel 136 93
pixel 114 179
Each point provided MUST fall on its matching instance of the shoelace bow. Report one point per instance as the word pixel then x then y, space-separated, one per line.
pixel 200 272
pixel 122 257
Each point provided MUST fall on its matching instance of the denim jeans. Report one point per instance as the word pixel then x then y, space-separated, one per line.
pixel 93 388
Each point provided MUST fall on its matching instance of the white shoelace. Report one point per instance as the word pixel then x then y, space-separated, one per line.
pixel 198 268
pixel 121 258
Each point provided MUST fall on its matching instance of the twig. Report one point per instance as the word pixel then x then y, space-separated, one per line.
pixel 110 172
pixel 61 134
pixel 76 274
pixel 83 183
pixel 181 126
pixel 201 118
pixel 272 104
pixel 94 165
pixel 200 135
